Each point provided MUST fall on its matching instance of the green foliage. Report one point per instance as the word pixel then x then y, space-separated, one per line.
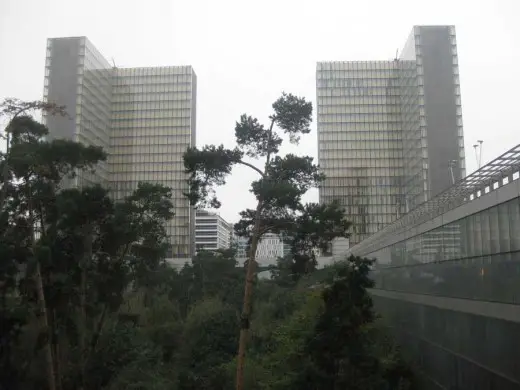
pixel 321 333
pixel 212 274
pixel 207 168
pixel 282 183
pixel 45 162
pixel 118 317
pixel 341 350
pixel 279 190
pixel 253 139
pixel 287 179
pixel 210 342
pixel 293 115
pixel 70 254
pixel 123 347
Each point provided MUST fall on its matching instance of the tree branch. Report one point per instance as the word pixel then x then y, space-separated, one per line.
pixel 269 149
pixel 251 166
pixel 97 333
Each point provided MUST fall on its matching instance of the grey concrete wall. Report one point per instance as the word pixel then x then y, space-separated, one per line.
pixel 440 106
pixel 63 82
pixel 455 344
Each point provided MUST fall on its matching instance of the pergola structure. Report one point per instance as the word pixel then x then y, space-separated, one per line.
pixel 501 171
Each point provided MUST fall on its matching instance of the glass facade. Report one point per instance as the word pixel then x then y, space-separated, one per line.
pixel 360 141
pixel 144 118
pixel 381 155
pixel 454 349
pixel 93 102
pixel 476 257
pixel 151 129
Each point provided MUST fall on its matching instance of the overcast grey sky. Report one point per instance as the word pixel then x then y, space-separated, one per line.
pixel 245 53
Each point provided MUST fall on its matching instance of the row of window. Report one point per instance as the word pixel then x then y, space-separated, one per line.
pixel 154 71
pixel 348 82
pixel 151 123
pixel 364 171
pixel 343 108
pixel 366 181
pixel 365 149
pixel 348 163
pixel 335 117
pixel 352 136
pixel 91 106
pixel 119 79
pixel 98 89
pixel 128 182
pixel 199 227
pixel 173 117
pixel 152 105
pixel 357 92
pixel 339 66
pixel 208 239
pixel 173 88
pixel 158 159
pixel 351 127
pixel 358 101
pixel 375 202
pixel 148 149
pixel 378 200
pixel 150 139
pixel 163 131
pixel 356 73
pixel 123 97
pixel 145 165
pixel 151 114
pixel 375 146
pixel 90 84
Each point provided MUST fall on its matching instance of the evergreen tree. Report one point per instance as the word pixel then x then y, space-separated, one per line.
pixel 281 183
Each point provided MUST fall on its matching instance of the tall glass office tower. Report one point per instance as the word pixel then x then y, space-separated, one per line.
pixel 144 118
pixel 390 132
pixel 360 141
pixel 78 77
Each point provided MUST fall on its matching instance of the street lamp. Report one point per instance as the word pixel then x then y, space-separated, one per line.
pixel 480 142
pixel 451 164
pixel 478 155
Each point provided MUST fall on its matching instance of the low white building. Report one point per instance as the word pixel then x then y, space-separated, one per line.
pixel 269 249
pixel 211 231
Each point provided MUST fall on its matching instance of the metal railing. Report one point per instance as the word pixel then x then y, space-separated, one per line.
pixel 501 171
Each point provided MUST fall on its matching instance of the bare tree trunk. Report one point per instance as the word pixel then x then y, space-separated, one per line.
pixel 246 309
pixel 49 361
pixel 82 323
pixel 97 332
pixel 57 355
pixel 248 289
pixel 42 305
